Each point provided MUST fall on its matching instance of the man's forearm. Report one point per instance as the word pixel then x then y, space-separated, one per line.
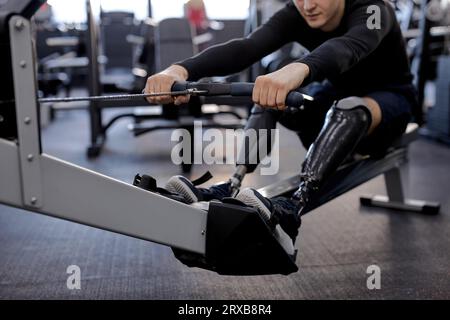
pixel 239 54
pixel 221 60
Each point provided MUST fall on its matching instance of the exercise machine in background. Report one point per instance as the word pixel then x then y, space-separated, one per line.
pixel 172 42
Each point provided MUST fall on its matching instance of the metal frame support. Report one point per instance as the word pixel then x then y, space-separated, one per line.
pixel 38 182
pixel 83 196
pixel 394 186
pixel 395 198
pixel 26 110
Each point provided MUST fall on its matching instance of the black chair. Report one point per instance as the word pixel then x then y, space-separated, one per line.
pixel 116 73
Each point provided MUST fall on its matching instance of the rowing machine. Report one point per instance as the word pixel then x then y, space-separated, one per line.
pixel 35 181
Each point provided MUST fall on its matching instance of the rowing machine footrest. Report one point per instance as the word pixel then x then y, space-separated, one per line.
pixel 239 242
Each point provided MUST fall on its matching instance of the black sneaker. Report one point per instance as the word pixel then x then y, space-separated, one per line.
pixel 280 211
pixel 187 189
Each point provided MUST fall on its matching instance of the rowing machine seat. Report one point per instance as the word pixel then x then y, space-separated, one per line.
pixel 362 169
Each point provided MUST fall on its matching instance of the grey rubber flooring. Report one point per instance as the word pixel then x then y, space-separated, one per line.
pixel 337 241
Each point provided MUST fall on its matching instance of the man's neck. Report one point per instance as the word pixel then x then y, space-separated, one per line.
pixel 335 21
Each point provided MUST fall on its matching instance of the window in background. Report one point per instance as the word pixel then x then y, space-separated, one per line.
pixel 229 9
pixel 215 9
pixel 138 7
pixel 74 10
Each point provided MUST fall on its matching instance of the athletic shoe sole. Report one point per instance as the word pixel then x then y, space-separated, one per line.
pixel 183 187
pixel 252 198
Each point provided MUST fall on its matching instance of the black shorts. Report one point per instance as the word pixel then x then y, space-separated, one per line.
pixel 395 104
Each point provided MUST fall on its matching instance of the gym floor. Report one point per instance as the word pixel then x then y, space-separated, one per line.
pixel 337 242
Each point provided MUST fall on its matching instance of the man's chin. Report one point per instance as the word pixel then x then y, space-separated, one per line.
pixel 315 24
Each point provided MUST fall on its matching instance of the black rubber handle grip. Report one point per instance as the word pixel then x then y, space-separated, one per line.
pixel 235 89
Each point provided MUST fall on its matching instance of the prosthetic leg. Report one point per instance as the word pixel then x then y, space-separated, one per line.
pixel 346 124
pixel 261 122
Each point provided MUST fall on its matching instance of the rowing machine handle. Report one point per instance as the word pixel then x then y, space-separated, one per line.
pixel 236 89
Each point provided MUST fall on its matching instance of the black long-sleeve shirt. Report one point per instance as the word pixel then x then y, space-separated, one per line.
pixel 356 59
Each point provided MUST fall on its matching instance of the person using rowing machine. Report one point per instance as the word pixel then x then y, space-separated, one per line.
pixel 357 71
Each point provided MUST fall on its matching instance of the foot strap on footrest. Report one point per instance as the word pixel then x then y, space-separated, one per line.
pixel 204 178
pixel 145 182
pixel 149 183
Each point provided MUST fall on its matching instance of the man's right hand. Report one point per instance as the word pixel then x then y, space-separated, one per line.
pixel 163 82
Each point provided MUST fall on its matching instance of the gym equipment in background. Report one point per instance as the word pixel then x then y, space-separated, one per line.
pixel 173 42
pixel 438 118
